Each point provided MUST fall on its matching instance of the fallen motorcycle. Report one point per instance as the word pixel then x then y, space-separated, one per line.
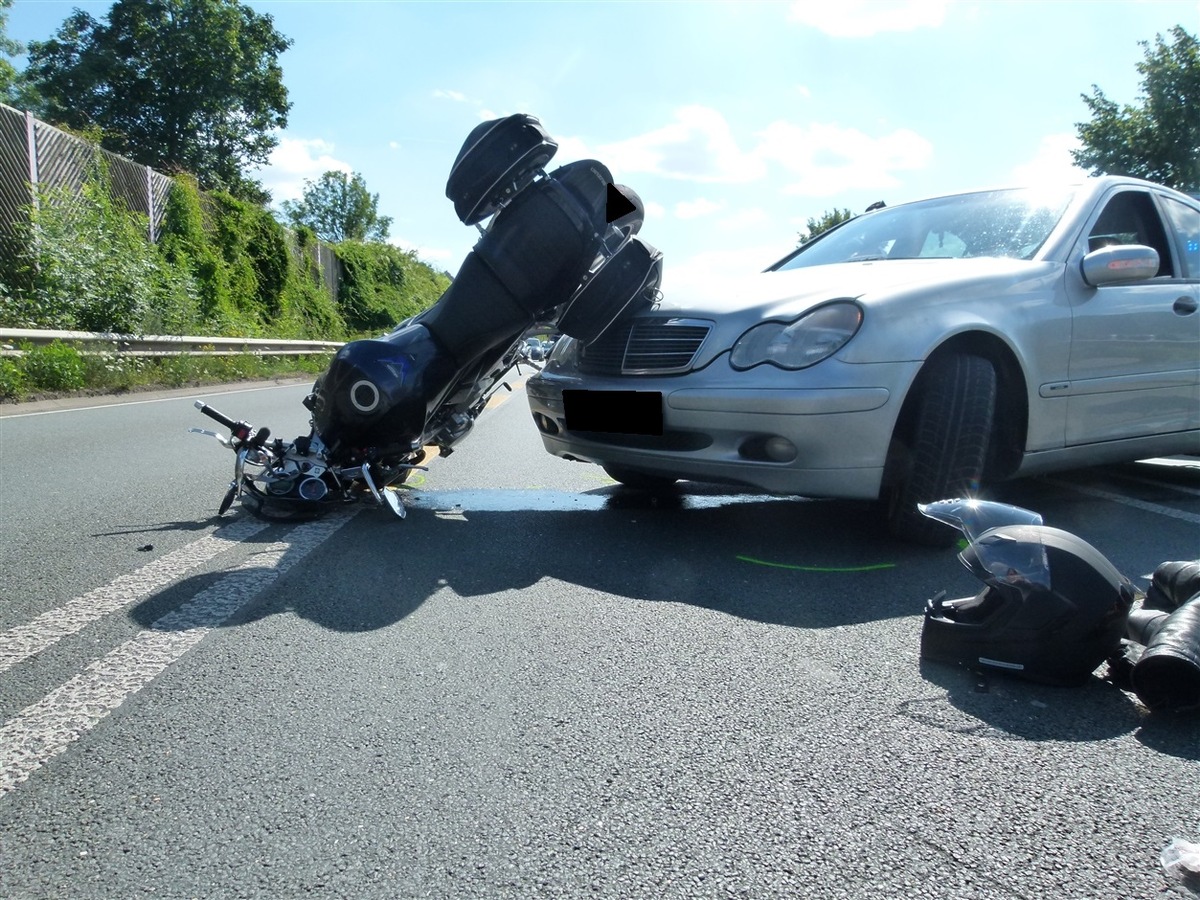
pixel 1053 609
pixel 559 253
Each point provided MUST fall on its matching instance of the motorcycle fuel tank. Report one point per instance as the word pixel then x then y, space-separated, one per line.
pixel 378 393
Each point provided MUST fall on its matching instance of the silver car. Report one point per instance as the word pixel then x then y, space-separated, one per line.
pixel 910 354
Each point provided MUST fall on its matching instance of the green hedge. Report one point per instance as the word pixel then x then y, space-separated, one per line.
pixel 58 368
pixel 382 285
pixel 221 266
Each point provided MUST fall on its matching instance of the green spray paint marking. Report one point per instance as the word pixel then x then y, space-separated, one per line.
pixel 870 568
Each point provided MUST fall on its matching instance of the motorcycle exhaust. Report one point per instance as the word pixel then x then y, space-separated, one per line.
pixel 1167 675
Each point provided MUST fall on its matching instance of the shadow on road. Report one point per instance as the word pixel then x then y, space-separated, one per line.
pixel 802 564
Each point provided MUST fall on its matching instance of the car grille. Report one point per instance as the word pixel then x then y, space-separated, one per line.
pixel 646 345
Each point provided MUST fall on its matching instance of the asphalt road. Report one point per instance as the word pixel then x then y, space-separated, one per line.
pixel 538 685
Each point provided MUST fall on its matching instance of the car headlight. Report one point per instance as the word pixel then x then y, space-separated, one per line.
pixel 814 336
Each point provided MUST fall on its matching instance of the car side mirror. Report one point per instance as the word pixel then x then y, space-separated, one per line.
pixel 1119 264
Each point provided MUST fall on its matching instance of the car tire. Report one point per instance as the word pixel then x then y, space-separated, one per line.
pixel 947 452
pixel 640 480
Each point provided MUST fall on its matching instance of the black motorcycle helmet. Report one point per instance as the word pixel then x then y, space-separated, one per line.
pixel 1052 608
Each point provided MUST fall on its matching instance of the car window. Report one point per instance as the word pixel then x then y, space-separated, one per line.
pixel 1009 223
pixel 1185 222
pixel 944 244
pixel 1129 217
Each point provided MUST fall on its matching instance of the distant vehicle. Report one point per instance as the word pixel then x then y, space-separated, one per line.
pixel 538 348
pixel 909 354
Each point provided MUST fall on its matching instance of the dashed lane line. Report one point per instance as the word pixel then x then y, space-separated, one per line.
pixel 48 727
pixel 19 643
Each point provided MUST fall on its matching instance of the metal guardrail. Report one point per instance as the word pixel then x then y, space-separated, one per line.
pixel 161 345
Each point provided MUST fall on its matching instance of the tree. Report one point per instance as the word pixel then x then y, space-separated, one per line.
pixel 178 85
pixel 1159 139
pixel 13 89
pixel 339 208
pixel 828 220
pixel 9 48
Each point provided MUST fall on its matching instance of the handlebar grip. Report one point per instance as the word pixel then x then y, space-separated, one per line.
pixel 213 414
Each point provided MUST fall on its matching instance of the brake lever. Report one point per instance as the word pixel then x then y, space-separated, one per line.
pixel 220 438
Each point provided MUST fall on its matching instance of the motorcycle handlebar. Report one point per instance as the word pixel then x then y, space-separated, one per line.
pixel 240 430
pixel 215 415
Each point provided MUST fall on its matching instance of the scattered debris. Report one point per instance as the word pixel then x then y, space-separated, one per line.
pixel 1181 860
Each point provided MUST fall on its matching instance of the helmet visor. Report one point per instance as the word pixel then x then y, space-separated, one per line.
pixel 974 517
pixel 1002 558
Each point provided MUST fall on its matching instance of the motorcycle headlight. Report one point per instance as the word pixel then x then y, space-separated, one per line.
pixel 814 336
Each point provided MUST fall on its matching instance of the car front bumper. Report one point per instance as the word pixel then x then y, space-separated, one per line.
pixel 828 438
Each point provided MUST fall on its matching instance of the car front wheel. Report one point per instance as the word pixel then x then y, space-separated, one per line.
pixel 944 455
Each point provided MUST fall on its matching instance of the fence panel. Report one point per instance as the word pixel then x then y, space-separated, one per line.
pixel 14 178
pixel 58 160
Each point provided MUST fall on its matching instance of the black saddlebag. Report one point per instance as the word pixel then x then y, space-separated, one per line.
pixel 530 261
pixel 623 285
pixel 497 160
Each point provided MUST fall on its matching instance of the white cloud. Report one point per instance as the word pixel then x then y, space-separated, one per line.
pixel 697 146
pixel 295 161
pixel 436 256
pixel 744 219
pixel 456 96
pixel 694 209
pixel 826 160
pixel 864 18
pixel 570 149
pixel 1051 162
pixel 655 210
pixel 821 159
pixel 715 273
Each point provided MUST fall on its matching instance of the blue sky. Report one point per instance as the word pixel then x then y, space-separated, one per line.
pixel 736 122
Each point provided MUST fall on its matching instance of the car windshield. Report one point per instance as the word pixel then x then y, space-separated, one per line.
pixel 1009 223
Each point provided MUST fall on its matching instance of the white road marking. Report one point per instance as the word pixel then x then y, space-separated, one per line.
pixel 23 641
pixel 45 729
pixel 1128 501
pixel 186 394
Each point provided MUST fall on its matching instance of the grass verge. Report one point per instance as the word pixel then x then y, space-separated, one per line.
pixel 61 370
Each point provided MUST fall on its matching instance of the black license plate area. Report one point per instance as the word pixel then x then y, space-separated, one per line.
pixel 614 412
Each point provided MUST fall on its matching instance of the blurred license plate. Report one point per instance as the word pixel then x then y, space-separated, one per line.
pixel 614 412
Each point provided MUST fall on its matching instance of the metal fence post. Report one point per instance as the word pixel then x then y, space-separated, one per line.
pixel 150 203
pixel 31 148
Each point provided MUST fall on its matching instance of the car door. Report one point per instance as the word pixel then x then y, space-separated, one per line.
pixel 1135 347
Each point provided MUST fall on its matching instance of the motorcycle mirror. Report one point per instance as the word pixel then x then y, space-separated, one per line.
pixel 624 209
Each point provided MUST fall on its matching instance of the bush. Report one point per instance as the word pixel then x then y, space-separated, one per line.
pixel 91 267
pixel 223 266
pixel 382 285
pixel 12 379
pixel 54 367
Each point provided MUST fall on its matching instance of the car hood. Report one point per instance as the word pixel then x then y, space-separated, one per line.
pixel 784 294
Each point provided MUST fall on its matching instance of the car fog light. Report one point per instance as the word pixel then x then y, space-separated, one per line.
pixel 780 449
pixel 545 424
